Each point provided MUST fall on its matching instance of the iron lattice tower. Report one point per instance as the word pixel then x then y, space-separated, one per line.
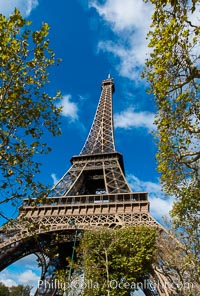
pixel 93 192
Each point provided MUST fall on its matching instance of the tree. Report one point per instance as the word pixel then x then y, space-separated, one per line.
pixel 20 290
pixel 173 73
pixel 177 262
pixel 4 291
pixel 113 260
pixel 26 110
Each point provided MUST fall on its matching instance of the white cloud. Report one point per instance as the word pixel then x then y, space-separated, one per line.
pixel 70 109
pixel 7 282
pixel 25 6
pixel 160 205
pixel 129 118
pixel 25 272
pixel 123 15
pixel 28 277
pixel 130 58
pixel 130 21
pixel 55 180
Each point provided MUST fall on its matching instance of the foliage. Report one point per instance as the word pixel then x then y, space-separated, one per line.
pixel 20 290
pixel 178 263
pixel 114 260
pixel 4 291
pixel 26 110
pixel 173 73
pixel 176 2
pixel 15 290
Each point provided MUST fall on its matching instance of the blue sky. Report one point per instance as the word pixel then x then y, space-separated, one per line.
pixel 95 38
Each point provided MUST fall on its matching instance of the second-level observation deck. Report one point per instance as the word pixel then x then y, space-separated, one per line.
pixel 87 204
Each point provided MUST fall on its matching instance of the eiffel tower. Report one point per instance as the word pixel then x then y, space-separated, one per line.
pixel 92 193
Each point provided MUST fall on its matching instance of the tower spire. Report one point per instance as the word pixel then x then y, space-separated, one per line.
pixel 101 135
pixel 98 168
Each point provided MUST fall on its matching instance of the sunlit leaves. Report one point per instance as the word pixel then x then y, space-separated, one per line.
pixel 26 110
pixel 116 256
pixel 174 74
